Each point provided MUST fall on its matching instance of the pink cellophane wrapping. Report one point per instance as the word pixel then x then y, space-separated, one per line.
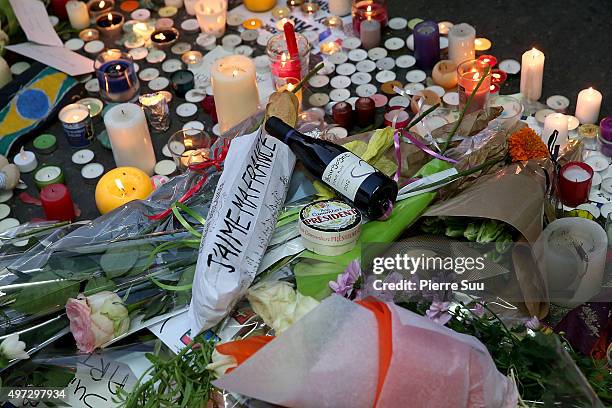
pixel 329 358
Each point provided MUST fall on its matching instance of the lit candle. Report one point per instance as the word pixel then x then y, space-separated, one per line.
pixel 280 24
pixel 588 105
pixel 89 34
pixel 461 43
pixel 164 38
pixel 120 186
pixel 369 10
pixel 77 124
pixel 558 122
pixel 340 7
pixel 144 30
pixel 575 183
pixel 116 75
pixel 330 47
pixel 110 24
pixel 190 7
pixel 252 23
pixel 156 109
pixel 5 73
pixel 25 161
pixel 532 73
pixel 370 34
pixel 57 203
pixel 98 7
pixel 333 22
pixel 77 14
pixel 281 12
pixel 426 44
pixel 444 27
pixel 289 84
pixel 235 88
pixel 212 15
pixel 309 8
pixel 482 44
pixel 294 3
pixel 129 137
pixel 469 74
pixel 190 157
pixel 444 73
pixel 192 58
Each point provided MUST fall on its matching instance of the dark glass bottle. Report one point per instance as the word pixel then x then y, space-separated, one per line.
pixel 370 190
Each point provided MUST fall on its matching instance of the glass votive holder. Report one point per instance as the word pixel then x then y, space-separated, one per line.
pixel 77 124
pixel 100 7
pixel 282 64
pixel 369 10
pixel 513 108
pixel 162 39
pixel 110 24
pixel 212 16
pixel 189 147
pixel 156 110
pixel 469 74
pixel 289 84
pixel 116 76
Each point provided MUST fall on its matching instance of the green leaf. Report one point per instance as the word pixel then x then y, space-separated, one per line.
pixel 118 261
pixel 46 292
pixel 98 284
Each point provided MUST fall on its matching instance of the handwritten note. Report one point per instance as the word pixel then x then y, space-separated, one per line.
pixel 34 21
pixel 239 225
pixel 59 58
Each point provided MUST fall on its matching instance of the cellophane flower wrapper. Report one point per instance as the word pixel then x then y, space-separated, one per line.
pixel 330 358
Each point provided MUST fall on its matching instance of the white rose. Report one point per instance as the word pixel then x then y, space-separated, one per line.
pixel 220 363
pixel 12 348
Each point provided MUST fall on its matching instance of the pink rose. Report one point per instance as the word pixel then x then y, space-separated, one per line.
pixel 96 319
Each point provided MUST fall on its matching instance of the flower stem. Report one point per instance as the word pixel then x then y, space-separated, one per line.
pixel 465 108
pixel 309 75
pixel 421 116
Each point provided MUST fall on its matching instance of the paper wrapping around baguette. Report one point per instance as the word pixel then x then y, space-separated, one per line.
pixel 283 105
pixel 329 358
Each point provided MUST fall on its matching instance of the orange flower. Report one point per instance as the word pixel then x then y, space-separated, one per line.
pixel 525 144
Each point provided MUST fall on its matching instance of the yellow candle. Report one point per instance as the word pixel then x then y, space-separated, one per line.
pixel 252 23
pixel 482 44
pixel 444 73
pixel 259 6
pixel 120 186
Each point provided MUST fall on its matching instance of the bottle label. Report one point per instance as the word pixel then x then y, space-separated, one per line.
pixel 345 173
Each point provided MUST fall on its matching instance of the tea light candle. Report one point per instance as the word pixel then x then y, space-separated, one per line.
pixel 48 175
pixel 45 143
pixel 444 73
pixel 294 3
pixel 370 34
pixel 532 73
pixel 77 124
pixel 99 7
pixel 129 137
pixel 206 41
pixel 331 47
pixel 426 44
pixel 461 43
pixel 144 30
pixel 192 58
pixel 235 88
pixel 25 161
pixel 57 203
pixel 120 186
pixel 252 23
pixel 555 121
pixel 89 34
pixel 212 15
pixel 340 7
pixel 280 25
pixel 333 22
pixel 77 14
pixel 588 105
pixel 91 172
pixel 309 8
pixel 482 44
pixel 281 12
pixel 110 24
pixel 289 84
pixel 190 7
pixel 574 183
pixel 164 38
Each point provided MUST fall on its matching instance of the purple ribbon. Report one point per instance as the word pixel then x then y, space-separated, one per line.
pixel 420 145
pixel 398 155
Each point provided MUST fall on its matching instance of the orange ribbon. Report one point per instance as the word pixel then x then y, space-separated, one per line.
pixel 241 350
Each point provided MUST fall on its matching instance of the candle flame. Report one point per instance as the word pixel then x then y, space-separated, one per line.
pixel 22 153
pixel 102 4
pixel 235 73
pixel 119 185
pixel 110 16
pixel 369 9
pixel 160 36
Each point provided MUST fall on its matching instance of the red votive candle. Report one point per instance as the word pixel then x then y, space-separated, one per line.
pixel 57 203
pixel 59 8
pixel 369 10
pixel 342 113
pixel 365 110
pixel 397 118
pixel 574 183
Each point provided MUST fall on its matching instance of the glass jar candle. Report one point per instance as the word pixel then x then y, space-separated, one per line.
pixel 212 16
pixel 189 147
pixel 77 124
pixel 116 76
pixel 110 24
pixel 282 64
pixel 469 74
pixel 369 10
pixel 165 38
pixel 100 7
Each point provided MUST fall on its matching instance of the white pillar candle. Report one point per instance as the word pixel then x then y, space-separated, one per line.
pixel 25 161
pixel 190 7
pixel 369 32
pixel 212 15
pixel 129 137
pixel 5 73
pixel 461 43
pixel 340 7
pixel 555 121
pixel 235 89
pixel 77 14
pixel 174 3
pixel 532 73
pixel 588 105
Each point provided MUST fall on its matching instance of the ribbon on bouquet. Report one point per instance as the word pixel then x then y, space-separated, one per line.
pixel 415 141
pixel 217 162
pixel 241 350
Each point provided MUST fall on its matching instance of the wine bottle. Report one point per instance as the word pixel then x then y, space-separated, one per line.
pixel 370 190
